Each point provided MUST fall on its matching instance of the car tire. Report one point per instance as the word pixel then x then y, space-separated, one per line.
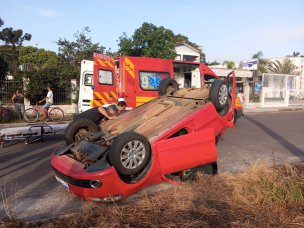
pixel 124 158
pixel 167 87
pixel 74 129
pixel 218 94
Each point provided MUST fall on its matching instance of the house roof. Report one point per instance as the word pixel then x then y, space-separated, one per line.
pixel 189 45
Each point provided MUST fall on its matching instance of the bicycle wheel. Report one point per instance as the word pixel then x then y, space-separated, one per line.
pixel 31 115
pixel 56 114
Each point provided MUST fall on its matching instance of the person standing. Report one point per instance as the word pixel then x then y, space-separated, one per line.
pixel 241 97
pixel 49 101
pixel 18 101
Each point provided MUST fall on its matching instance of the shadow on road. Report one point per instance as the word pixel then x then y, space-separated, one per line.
pixel 285 143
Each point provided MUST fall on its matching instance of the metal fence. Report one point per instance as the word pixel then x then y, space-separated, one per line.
pixel 8 89
pixel 62 95
pixel 282 90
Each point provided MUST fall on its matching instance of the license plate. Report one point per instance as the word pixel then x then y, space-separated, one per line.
pixel 63 183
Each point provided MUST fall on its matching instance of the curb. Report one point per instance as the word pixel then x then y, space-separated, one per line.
pixel 277 110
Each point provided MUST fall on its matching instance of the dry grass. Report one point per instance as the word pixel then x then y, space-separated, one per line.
pixel 256 197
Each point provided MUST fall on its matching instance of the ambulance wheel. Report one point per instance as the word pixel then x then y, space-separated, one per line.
pixel 129 153
pixel 218 94
pixel 76 129
pixel 167 87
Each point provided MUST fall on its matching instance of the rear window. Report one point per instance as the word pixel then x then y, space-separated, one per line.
pixel 88 79
pixel 105 77
pixel 149 80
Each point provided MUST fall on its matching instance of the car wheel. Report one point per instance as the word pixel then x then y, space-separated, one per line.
pixel 167 87
pixel 77 128
pixel 129 153
pixel 218 94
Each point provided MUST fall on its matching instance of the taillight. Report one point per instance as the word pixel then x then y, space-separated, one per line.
pixel 121 95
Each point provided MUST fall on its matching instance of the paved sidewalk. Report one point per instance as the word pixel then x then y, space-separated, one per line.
pixel 274 109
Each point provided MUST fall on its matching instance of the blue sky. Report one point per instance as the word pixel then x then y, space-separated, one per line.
pixel 229 30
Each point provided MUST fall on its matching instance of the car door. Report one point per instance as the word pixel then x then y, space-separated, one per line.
pixel 105 81
pixel 230 80
pixel 186 151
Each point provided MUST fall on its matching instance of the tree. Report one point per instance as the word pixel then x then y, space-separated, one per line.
pixel 214 63
pixel 13 40
pixel 3 68
pixel 148 41
pixel 294 54
pixel 34 55
pixel 76 51
pixel 1 22
pixel 286 67
pixel 230 64
pixel 262 64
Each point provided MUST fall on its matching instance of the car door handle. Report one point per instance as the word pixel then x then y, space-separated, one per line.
pixel 110 95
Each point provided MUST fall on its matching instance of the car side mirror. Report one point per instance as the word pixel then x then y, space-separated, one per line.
pixel 92 87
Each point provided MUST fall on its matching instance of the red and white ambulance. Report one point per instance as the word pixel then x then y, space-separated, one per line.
pixel 135 80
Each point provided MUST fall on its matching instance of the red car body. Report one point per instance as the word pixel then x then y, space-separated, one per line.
pixel 204 127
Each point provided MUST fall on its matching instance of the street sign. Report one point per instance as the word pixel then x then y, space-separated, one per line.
pixel 249 64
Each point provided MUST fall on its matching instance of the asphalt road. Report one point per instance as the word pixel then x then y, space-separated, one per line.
pixel 26 174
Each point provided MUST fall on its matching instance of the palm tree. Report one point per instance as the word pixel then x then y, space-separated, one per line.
pixel 230 65
pixel 262 63
pixel 286 67
pixel 295 54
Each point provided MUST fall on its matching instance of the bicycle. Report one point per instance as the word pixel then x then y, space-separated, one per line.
pixel 31 115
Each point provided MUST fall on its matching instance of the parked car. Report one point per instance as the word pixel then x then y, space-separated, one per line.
pixel 147 145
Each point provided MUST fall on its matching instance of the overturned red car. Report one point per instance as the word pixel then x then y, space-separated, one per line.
pixel 150 144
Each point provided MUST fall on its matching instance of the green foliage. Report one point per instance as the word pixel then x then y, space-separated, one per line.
pixel 74 52
pixel 34 55
pixel 286 67
pixel 230 64
pixel 214 63
pixel 262 65
pixel 294 54
pixel 202 57
pixel 148 41
pixel 57 73
pixel 3 68
pixel 180 38
pixel 13 40
pixel 1 22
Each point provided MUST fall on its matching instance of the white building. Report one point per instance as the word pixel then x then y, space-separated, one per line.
pixel 298 61
pixel 187 52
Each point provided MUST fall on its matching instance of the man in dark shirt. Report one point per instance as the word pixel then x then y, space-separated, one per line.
pixel 98 113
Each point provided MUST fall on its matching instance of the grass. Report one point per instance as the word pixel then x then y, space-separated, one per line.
pixel 256 197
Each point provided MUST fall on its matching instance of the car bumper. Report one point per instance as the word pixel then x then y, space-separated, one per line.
pixel 72 174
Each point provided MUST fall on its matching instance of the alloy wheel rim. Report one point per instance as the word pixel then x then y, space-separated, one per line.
pixel 223 94
pixel 132 154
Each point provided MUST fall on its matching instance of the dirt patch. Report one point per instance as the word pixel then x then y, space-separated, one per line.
pixel 256 197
